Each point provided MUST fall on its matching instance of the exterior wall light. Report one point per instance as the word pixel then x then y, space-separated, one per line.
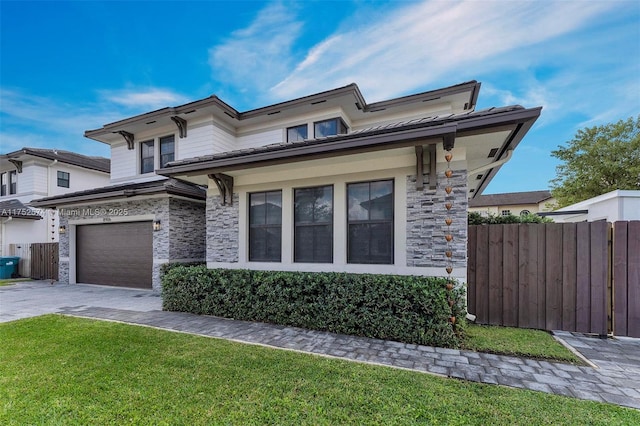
pixel 62 229
pixel 156 225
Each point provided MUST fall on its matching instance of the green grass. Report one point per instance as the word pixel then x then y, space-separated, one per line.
pixel 61 370
pixel 4 282
pixel 518 342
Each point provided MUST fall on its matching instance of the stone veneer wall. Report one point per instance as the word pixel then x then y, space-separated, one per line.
pixel 426 228
pixel 223 229
pixel 181 237
pixel 187 230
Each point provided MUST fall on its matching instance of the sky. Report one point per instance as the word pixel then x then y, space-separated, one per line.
pixel 67 67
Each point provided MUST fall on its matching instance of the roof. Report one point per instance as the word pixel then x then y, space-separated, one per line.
pixel 380 137
pixel 15 209
pixel 510 198
pixel 161 186
pixel 224 111
pixel 100 164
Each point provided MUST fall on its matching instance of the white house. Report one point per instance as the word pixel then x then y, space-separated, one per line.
pixel 326 182
pixel 32 173
pixel 613 206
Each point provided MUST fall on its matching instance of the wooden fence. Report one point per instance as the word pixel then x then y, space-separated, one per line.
pixel 23 251
pixel 556 276
pixel 44 261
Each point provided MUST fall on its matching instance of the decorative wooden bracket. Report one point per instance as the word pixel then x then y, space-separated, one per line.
pixel 16 163
pixel 225 186
pixel 419 168
pixel 127 137
pixel 182 125
pixel 432 167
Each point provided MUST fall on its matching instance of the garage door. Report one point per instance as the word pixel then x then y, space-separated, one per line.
pixel 118 254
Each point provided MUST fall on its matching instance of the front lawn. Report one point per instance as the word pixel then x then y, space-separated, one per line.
pixel 62 370
pixel 517 342
pixel 9 281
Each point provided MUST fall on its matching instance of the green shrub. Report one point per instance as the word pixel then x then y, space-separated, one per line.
pixel 475 218
pixel 410 309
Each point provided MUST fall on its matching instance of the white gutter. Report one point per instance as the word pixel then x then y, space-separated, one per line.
pixel 492 165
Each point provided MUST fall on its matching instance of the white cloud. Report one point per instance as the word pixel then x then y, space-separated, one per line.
pixel 144 99
pixel 259 55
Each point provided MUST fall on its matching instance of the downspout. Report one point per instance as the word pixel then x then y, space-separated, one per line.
pixel 2 234
pixel 46 228
pixel 492 165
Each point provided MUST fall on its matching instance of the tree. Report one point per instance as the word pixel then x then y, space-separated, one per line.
pixel 598 160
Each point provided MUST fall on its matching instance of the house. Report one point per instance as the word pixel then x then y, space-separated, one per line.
pixel 613 206
pixel 32 173
pixel 326 182
pixel 512 203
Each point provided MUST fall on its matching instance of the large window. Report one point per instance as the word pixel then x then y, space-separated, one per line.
pixel 146 157
pixel 13 182
pixel 63 179
pixel 370 222
pixel 3 184
pixel 313 211
pixel 167 150
pixel 334 126
pixel 265 226
pixel 297 133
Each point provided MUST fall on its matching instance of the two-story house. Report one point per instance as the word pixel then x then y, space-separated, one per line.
pixel 32 173
pixel 326 182
pixel 513 203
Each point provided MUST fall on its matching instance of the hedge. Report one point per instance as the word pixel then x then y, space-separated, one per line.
pixel 409 309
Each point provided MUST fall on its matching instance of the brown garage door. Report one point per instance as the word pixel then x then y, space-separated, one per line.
pixel 118 254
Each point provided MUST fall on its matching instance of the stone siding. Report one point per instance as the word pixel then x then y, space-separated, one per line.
pixel 187 229
pixel 426 225
pixel 223 228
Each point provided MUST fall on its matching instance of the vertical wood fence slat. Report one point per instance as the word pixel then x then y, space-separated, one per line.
pixel 528 277
pixel 553 276
pixel 510 276
pixel 471 269
pixel 620 280
pixel 599 277
pixel 495 274
pixel 633 279
pixel 583 277
pixel 569 276
pixel 541 263
pixel 482 275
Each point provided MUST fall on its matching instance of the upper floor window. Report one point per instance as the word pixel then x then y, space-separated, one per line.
pixel 313 224
pixel 265 226
pixel 3 184
pixel 297 133
pixel 63 179
pixel 13 182
pixel 331 127
pixel 167 150
pixel 370 222
pixel 146 157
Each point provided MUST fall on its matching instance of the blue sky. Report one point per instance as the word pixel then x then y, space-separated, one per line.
pixel 66 67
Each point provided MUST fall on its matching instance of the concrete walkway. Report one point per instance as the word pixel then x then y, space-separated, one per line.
pixel 614 378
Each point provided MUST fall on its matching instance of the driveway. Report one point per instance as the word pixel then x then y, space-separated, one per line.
pixel 33 298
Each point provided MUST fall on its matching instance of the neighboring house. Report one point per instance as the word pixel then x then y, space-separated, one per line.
pixel 326 182
pixel 613 206
pixel 32 173
pixel 512 203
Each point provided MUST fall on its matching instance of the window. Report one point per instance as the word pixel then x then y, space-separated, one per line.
pixel 265 226
pixel 313 224
pixel 13 182
pixel 167 150
pixel 3 184
pixel 334 126
pixel 297 133
pixel 525 213
pixel 370 222
pixel 63 179
pixel 505 212
pixel 146 157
